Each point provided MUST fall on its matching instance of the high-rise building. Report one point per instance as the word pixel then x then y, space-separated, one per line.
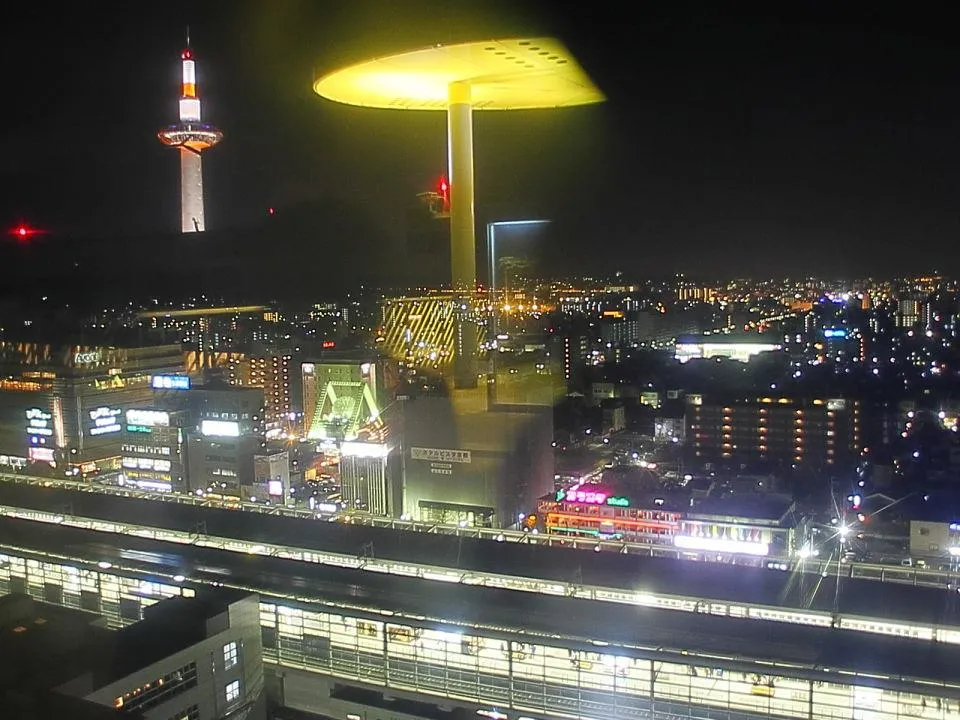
pixel 815 432
pixel 229 433
pixel 191 136
pixel 273 370
pixel 153 450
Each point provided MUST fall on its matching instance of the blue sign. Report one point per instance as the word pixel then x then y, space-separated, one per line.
pixel 834 333
pixel 170 382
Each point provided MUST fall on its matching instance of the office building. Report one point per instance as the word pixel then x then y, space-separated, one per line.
pixel 189 658
pixel 273 370
pixel 229 433
pixel 153 449
pixel 371 477
pixel 465 462
pixel 271 477
pixel 64 404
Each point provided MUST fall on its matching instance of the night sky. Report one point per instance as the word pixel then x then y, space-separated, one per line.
pixel 730 144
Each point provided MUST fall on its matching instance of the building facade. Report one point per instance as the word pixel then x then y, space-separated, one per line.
pixel 64 404
pixel 812 432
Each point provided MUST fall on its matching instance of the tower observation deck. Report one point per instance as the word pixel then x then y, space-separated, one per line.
pixel 191 136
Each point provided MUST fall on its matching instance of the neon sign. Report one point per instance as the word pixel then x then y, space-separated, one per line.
pixel 834 333
pixel 591 497
pixel 170 382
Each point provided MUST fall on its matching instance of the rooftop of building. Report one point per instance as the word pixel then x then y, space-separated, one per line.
pixel 56 644
pixel 45 646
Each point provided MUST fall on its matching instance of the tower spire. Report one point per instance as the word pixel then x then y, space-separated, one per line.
pixel 188 36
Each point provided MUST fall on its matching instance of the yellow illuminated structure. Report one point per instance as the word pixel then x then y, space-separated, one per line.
pixel 512 74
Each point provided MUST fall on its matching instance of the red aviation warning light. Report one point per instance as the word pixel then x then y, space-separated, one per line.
pixel 444 189
pixel 23 232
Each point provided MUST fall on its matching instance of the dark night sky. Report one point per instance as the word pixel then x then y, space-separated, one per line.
pixel 730 144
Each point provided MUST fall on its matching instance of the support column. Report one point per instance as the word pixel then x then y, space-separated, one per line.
pixel 463 242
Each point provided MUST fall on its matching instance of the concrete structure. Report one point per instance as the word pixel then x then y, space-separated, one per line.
pixel 191 136
pixel 426 625
pixel 510 74
pixel 193 656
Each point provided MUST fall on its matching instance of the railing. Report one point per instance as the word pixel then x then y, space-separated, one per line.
pixel 921 577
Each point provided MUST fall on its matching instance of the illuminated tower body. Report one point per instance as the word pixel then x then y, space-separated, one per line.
pixel 192 137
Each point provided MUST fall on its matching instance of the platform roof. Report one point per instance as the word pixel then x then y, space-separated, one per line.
pixel 511 74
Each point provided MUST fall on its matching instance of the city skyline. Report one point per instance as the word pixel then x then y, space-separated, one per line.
pixel 750 142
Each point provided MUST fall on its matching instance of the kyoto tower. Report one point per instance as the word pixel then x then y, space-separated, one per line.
pixel 192 137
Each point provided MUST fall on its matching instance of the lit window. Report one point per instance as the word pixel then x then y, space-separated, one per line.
pixel 233 691
pixel 229 655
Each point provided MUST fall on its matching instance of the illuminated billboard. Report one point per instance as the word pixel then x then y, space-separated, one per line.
pixel 340 399
pixel 835 333
pixel 104 421
pixel 39 426
pixel 219 428
pixel 147 419
pixel 170 382
pixel 741 351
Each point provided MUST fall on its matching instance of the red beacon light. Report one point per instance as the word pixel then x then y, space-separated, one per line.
pixel 186 54
pixel 23 232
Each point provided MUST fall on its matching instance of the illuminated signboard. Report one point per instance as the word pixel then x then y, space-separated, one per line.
pixel 219 428
pixel 170 382
pixel 41 454
pixel 275 488
pixel 147 419
pixel 835 333
pixel 87 358
pixel 38 425
pixel 105 421
pixel 592 498
pixel 687 542
pixel 328 344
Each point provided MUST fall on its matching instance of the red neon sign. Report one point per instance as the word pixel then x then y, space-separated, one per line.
pixel 327 344
pixel 586 496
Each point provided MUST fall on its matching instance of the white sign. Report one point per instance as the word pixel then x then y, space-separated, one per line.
pixel 219 428
pixel 105 421
pixel 148 418
pixel 440 455
pixel 87 358
pixel 38 423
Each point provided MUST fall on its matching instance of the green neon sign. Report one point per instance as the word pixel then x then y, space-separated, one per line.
pixel 618 501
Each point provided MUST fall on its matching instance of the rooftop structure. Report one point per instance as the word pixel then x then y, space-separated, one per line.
pixel 510 74
pixel 193 656
pixel 481 647
pixel 192 137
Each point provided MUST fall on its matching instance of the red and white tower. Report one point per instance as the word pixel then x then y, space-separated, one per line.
pixel 192 137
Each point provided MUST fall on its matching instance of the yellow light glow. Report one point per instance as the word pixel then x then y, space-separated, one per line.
pixel 513 74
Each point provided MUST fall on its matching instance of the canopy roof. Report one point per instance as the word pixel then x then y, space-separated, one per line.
pixel 512 74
